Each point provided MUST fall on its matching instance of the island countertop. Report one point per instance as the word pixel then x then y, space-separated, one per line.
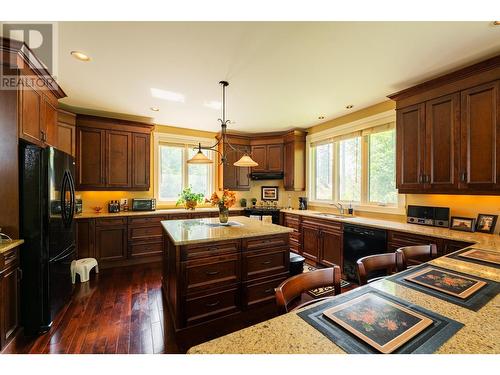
pixel 7 245
pixel 191 231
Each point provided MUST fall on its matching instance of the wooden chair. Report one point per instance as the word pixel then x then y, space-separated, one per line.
pixel 386 263
pixel 410 256
pixel 292 288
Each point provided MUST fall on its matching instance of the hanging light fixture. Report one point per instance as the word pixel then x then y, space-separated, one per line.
pixel 201 158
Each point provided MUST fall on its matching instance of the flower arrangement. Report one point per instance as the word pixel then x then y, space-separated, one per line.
pixel 189 199
pixel 224 202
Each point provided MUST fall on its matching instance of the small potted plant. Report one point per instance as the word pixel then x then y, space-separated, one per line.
pixel 227 200
pixel 243 202
pixel 189 199
pixel 254 202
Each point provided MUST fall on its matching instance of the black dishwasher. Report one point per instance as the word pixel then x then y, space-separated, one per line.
pixel 360 242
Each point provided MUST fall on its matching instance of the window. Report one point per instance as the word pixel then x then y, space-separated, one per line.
pixel 357 168
pixel 175 174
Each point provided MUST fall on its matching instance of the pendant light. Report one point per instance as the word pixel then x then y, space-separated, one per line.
pixel 200 158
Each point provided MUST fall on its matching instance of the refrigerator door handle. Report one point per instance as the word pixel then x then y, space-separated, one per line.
pixel 63 199
pixel 72 197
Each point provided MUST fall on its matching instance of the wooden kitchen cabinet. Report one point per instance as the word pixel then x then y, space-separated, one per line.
pixel 330 247
pixel 112 154
pixel 230 176
pixel 322 241
pixel 448 133
pixel 10 278
pixel 111 240
pixel 85 238
pixel 49 122
pixel 30 123
pixel 259 155
pixel 310 242
pixel 480 138
pixel 269 157
pixel 294 161
pixel 66 132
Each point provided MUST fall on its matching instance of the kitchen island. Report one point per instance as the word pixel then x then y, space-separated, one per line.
pixel 221 278
pixel 290 334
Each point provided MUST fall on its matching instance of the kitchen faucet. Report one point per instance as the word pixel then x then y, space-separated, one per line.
pixel 339 206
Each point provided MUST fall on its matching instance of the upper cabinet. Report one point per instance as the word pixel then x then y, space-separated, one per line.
pixel 294 161
pixel 66 132
pixel 268 156
pixel 112 154
pixel 231 177
pixel 448 133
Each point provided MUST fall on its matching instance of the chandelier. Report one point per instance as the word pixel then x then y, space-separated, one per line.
pixel 201 158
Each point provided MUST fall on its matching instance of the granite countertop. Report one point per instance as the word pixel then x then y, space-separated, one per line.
pixel 289 334
pixel 191 231
pixel 6 245
pixel 92 214
pixel 481 240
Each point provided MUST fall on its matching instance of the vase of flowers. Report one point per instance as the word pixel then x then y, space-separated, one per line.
pixel 189 199
pixel 224 202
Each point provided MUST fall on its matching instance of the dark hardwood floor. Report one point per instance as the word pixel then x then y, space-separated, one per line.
pixel 118 311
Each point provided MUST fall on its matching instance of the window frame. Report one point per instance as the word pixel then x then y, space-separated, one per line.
pixel 323 137
pixel 187 142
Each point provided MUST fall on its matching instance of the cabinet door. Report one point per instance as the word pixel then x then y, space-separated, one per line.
pixel 274 155
pixel 85 238
pixel 111 243
pixel 289 165
pixel 30 127
pixel 410 146
pixel 140 161
pixel 259 155
pixel 480 137
pixel 330 248
pixel 310 242
pixel 9 283
pixel 90 156
pixel 442 132
pixel 49 123
pixel 229 171
pixel 118 159
pixel 242 173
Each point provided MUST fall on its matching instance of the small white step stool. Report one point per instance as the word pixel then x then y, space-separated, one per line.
pixel 83 268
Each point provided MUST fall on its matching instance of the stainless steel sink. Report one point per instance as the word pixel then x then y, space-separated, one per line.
pixel 324 214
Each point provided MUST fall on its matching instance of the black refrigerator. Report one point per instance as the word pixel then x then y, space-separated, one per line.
pixel 47 211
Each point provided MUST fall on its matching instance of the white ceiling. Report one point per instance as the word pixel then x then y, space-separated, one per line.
pixel 282 75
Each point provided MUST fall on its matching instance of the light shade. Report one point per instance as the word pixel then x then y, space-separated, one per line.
pixel 245 161
pixel 200 158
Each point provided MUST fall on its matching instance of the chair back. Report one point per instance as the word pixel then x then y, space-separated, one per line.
pixel 414 255
pixel 385 264
pixel 294 286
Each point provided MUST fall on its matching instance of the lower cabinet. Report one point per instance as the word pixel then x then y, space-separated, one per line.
pixel 322 241
pixel 111 242
pixel 310 242
pixel 10 278
pixel 395 240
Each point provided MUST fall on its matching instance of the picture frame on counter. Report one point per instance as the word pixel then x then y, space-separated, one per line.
pixel 485 223
pixel 269 193
pixel 464 224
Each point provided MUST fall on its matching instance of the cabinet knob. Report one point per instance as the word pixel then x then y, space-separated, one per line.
pixel 213 304
pixel 463 176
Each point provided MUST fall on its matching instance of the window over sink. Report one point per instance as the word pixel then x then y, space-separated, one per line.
pixel 356 166
pixel 174 174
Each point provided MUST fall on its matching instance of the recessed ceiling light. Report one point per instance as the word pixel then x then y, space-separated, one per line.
pixel 321 117
pixel 154 109
pixel 80 56
pixel 167 95
pixel 349 106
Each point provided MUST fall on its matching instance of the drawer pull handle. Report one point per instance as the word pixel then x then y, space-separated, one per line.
pixel 214 249
pixel 268 290
pixel 10 256
pixel 267 262
pixel 213 304
pixel 212 273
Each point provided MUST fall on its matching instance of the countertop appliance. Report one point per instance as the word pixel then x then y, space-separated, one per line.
pixel 113 206
pixel 47 201
pixel 261 211
pixel 360 242
pixel 143 204
pixel 424 215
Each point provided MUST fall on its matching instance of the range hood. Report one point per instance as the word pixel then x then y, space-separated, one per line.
pixel 266 175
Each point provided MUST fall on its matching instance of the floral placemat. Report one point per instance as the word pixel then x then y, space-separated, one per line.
pixel 471 292
pixel 378 325
pixel 459 255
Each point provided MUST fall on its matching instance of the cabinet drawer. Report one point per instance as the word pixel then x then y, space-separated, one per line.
pixel 208 250
pixel 210 273
pixel 259 264
pixel 259 293
pixel 327 224
pixel 295 236
pixel 146 249
pixel 144 221
pixel 207 307
pixel 111 221
pixel 265 242
pixel 145 233
pixel 9 259
pixel 410 239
